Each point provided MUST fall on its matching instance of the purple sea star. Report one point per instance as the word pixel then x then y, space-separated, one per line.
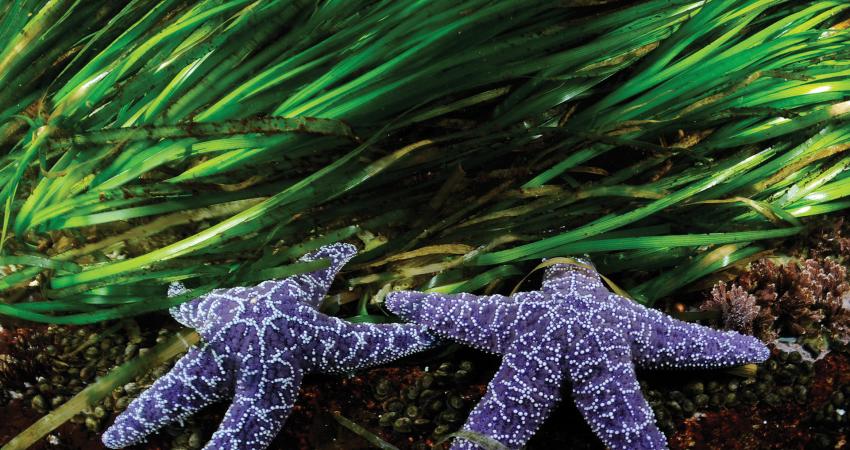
pixel 258 342
pixel 575 328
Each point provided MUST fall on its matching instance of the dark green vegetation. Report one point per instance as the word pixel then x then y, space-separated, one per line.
pixel 145 142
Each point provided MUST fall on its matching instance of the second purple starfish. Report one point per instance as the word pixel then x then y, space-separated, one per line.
pixel 573 328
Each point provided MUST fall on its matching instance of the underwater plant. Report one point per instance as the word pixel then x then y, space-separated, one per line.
pixel 828 236
pixel 796 299
pixel 737 307
pixel 572 328
pixel 148 142
pixel 209 142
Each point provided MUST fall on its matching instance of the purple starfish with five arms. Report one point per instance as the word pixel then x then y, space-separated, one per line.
pixel 572 328
pixel 258 342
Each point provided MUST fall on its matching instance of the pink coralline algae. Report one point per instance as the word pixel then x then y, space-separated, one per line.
pixel 258 342
pixel 574 329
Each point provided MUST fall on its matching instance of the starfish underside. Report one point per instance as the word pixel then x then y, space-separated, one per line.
pixel 572 328
pixel 258 342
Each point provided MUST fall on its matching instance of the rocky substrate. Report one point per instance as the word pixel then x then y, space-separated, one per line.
pixel 789 404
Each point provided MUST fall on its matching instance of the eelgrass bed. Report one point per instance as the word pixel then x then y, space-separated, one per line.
pixel 150 142
pixel 213 142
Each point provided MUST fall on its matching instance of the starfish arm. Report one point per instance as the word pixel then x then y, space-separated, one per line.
pixel 217 306
pixel 520 397
pixel 195 381
pixel 176 288
pixel 263 400
pixel 660 341
pixel 336 345
pixel 484 322
pixel 311 287
pixel 185 313
pixel 607 393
